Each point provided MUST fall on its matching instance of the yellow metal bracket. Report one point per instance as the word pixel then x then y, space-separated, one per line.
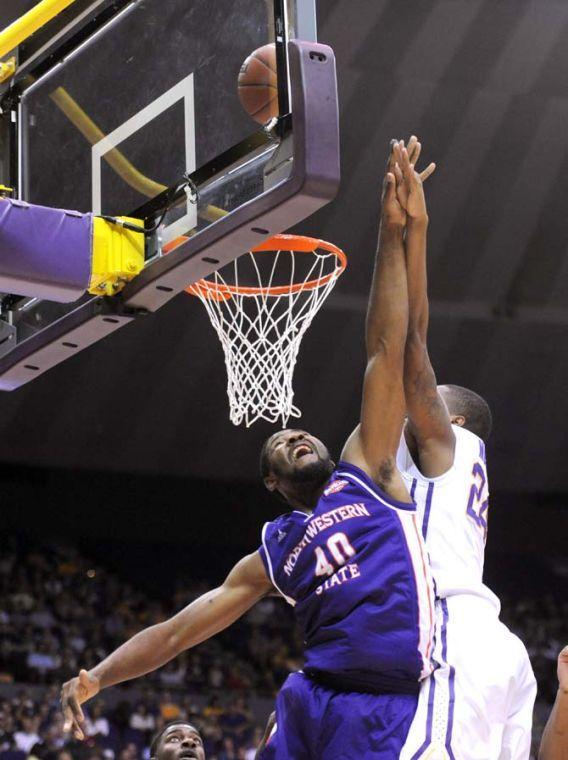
pixel 117 256
pixel 29 23
pixel 7 69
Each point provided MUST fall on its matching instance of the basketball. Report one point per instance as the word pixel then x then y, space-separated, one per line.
pixel 258 84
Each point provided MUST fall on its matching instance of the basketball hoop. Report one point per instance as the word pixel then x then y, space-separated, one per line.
pixel 261 306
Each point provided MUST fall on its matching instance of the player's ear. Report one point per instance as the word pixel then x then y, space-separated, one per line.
pixel 271 482
pixel 458 419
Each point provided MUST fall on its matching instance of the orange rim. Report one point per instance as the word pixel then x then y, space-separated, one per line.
pixel 293 243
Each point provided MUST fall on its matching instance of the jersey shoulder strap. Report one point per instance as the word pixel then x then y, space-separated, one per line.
pixel 278 538
pixel 369 488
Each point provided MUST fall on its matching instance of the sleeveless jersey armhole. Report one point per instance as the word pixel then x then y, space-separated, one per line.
pixel 264 552
pixel 357 475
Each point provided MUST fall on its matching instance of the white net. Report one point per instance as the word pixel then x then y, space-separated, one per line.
pixel 261 325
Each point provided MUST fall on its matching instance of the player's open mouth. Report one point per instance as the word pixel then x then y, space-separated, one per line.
pixel 188 753
pixel 300 451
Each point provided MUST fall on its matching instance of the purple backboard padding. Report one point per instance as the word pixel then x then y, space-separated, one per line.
pixel 44 252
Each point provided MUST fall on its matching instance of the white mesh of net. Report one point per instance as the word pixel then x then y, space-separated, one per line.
pixel 261 334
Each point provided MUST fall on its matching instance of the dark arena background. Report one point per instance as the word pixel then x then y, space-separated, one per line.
pixel 126 491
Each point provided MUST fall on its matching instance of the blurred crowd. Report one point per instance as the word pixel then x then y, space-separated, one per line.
pixel 540 622
pixel 60 612
pixel 33 728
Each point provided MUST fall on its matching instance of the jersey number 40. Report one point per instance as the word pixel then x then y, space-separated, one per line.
pixel 340 551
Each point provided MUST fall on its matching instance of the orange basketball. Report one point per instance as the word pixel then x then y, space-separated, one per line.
pixel 258 84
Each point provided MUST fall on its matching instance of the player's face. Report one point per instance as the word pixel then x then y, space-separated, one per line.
pixel 181 742
pixel 298 456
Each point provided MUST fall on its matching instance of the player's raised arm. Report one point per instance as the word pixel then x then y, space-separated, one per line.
pixel 429 431
pixel 554 744
pixel 155 646
pixel 373 444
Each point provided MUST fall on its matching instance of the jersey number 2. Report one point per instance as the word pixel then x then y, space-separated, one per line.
pixel 339 548
pixel 477 505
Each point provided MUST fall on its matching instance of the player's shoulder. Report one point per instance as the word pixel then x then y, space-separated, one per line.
pixel 359 484
pixel 468 442
pixel 284 525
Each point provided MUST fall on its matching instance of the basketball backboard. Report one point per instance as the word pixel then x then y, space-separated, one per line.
pixel 115 102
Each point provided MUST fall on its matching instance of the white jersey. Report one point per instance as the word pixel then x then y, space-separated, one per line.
pixel 478 703
pixel 452 509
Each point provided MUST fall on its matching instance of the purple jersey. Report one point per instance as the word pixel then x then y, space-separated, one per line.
pixel 356 572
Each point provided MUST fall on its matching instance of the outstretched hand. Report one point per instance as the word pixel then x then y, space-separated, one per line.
pixel 392 211
pixel 73 694
pixel 409 182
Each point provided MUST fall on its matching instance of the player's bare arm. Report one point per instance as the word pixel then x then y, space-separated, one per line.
pixel 554 743
pixel 429 431
pixel 373 444
pixel 155 646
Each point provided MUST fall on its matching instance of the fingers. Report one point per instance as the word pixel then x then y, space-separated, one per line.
pixel 414 149
pixel 403 159
pixel 410 175
pixel 70 705
pixel 398 174
pixel 397 152
pixel 391 159
pixel 71 719
pixel 428 171
pixel 390 186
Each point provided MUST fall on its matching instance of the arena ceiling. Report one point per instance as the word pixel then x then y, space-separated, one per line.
pixel 484 86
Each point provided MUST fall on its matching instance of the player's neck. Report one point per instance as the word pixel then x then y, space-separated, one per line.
pixel 305 498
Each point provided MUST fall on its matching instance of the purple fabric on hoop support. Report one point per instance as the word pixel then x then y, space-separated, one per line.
pixel 44 252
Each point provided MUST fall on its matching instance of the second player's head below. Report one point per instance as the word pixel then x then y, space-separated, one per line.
pixel 296 465
pixel 467 409
pixel 178 740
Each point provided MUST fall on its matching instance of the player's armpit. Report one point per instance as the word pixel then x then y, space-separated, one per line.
pixel 383 471
pixel 429 430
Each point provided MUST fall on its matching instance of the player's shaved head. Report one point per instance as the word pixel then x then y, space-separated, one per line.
pixel 463 402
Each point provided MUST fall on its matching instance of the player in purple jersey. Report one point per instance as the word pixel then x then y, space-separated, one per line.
pixel 349 558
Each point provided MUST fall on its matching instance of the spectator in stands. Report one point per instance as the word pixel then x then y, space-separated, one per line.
pixel 43 659
pixel 96 724
pixel 236 721
pixel 142 720
pixel 176 739
pixel 213 708
pixel 169 709
pixel 229 751
pixel 27 736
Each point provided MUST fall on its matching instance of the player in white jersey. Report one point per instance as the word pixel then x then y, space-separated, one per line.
pixel 478 703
